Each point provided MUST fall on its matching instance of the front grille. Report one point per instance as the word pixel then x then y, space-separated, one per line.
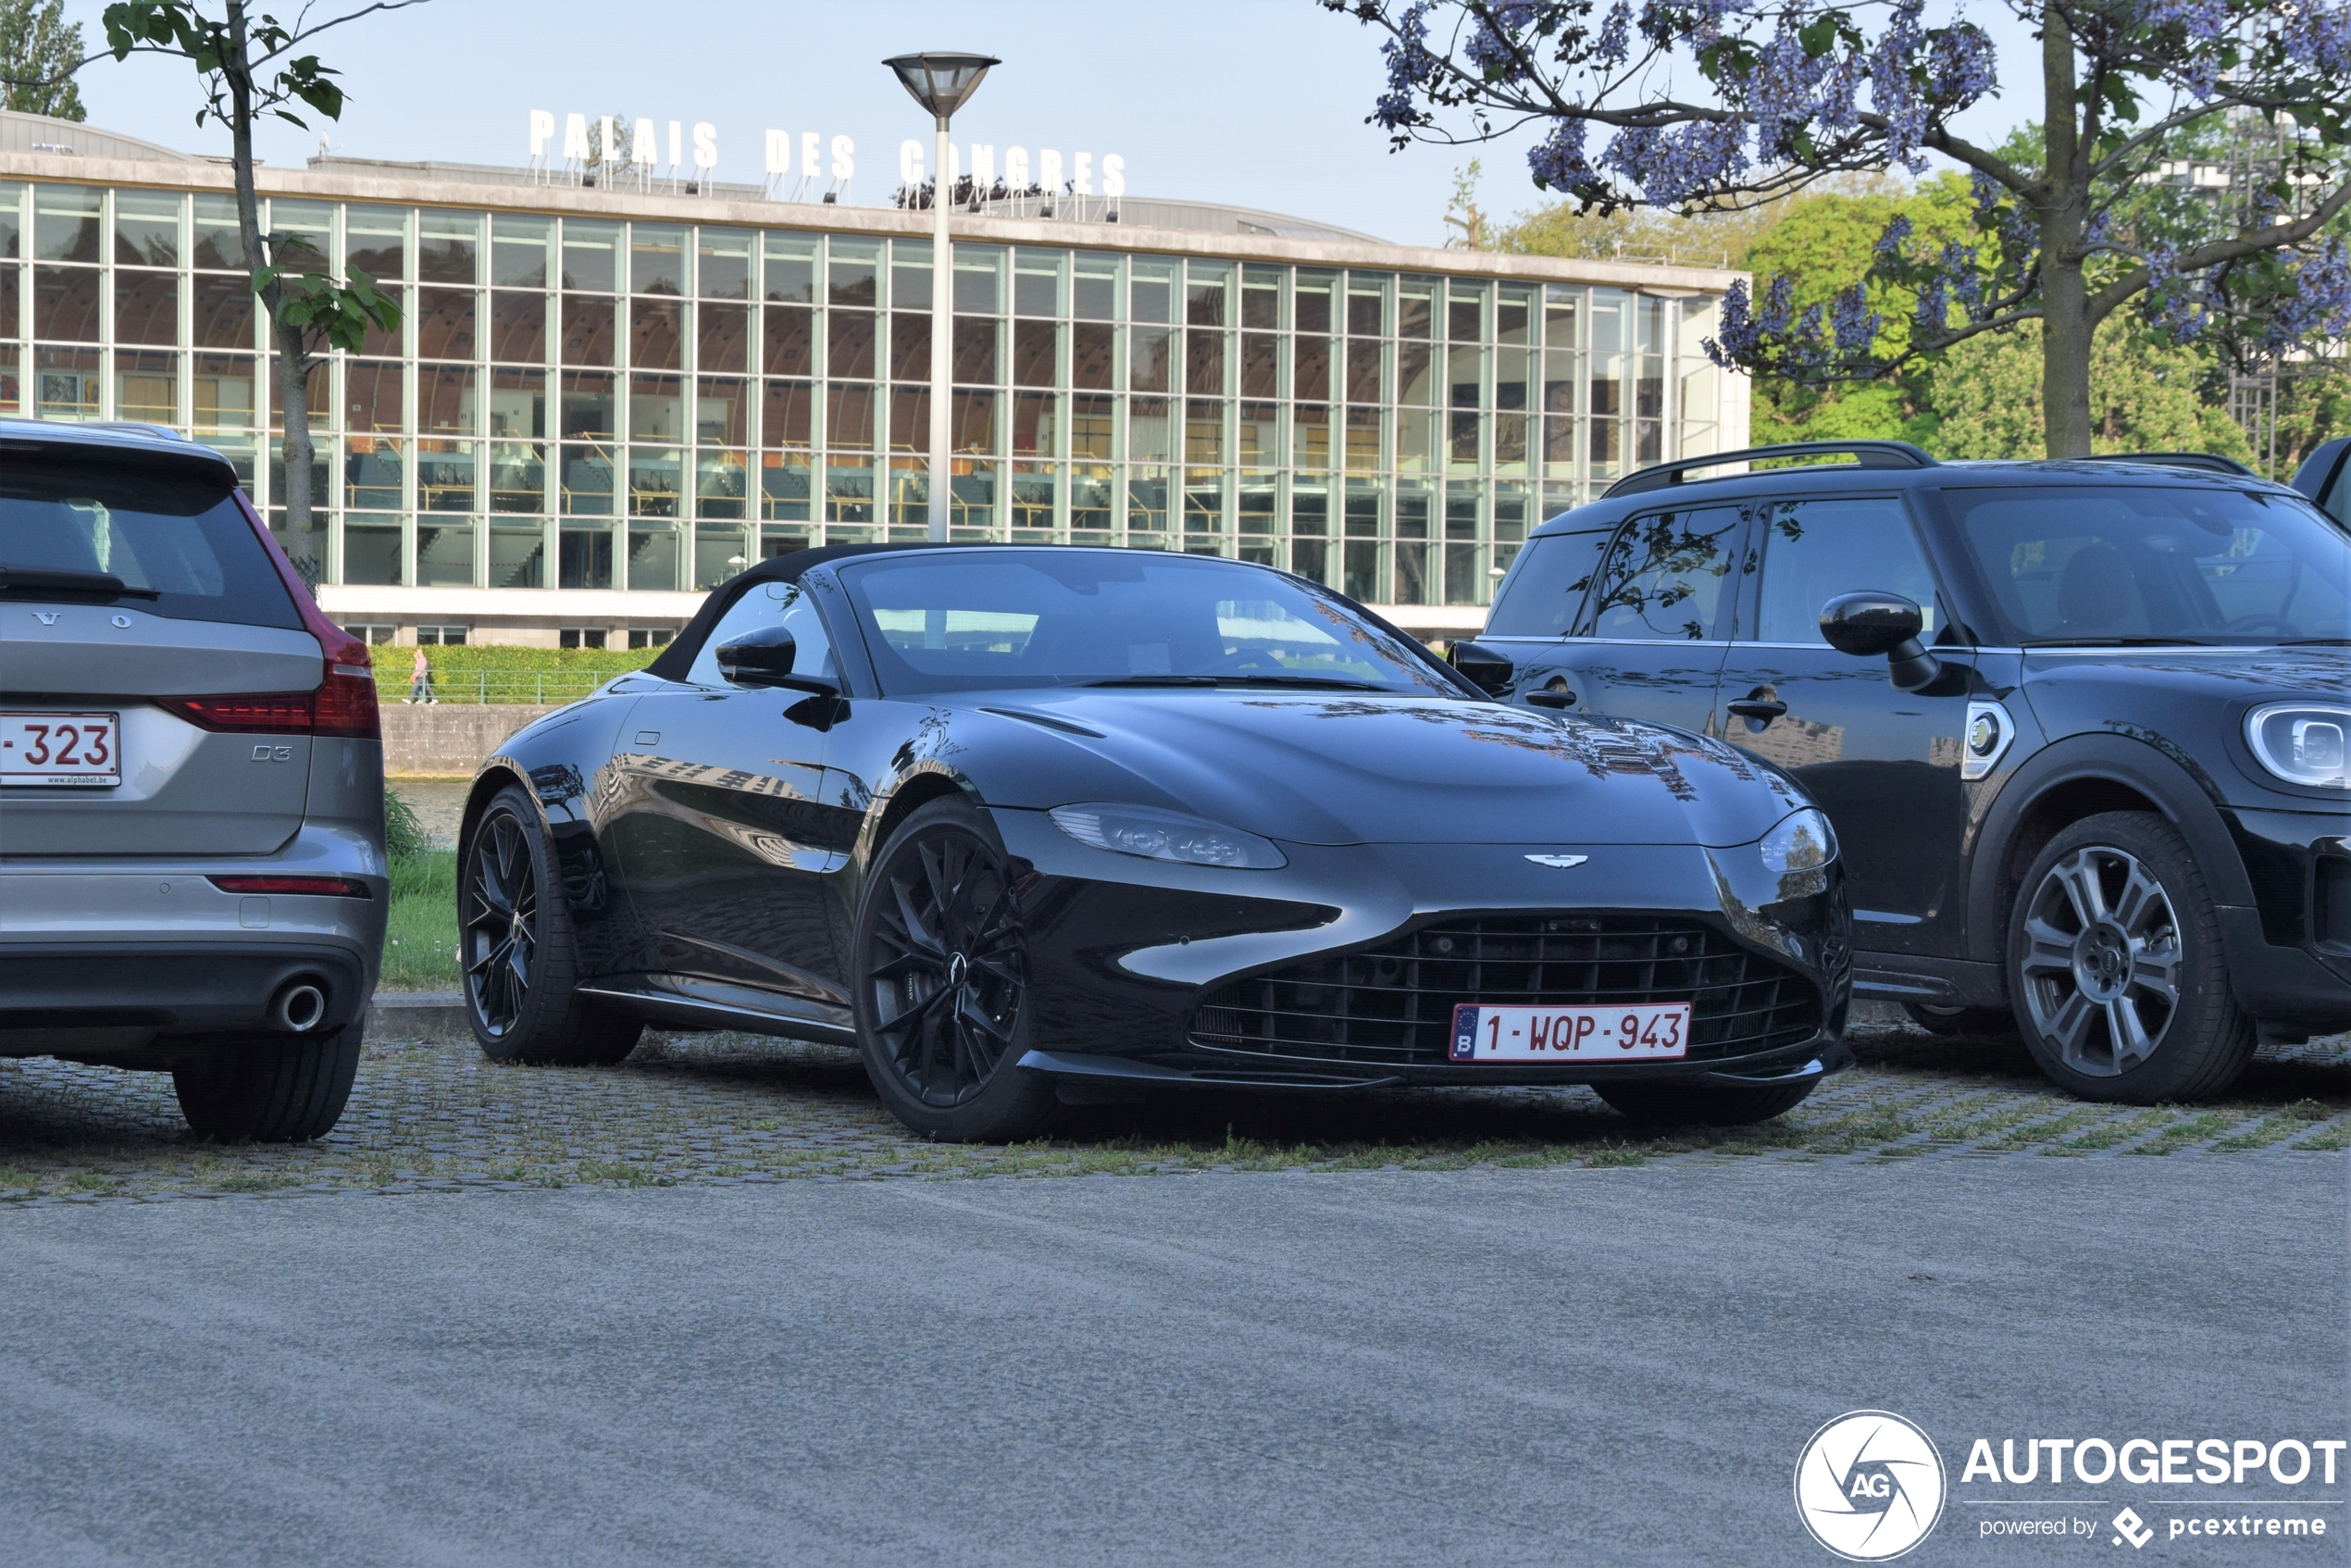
pixel 1394 1004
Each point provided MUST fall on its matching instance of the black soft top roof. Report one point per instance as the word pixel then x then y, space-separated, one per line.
pixel 678 659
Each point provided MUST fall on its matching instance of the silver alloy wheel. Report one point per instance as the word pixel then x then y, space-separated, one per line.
pixel 2101 966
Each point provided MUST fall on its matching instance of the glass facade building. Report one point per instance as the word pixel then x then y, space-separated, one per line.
pixel 631 401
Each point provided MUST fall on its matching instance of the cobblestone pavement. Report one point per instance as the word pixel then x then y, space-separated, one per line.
pixel 434 1115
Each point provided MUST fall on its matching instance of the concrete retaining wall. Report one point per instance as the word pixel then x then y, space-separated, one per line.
pixel 449 738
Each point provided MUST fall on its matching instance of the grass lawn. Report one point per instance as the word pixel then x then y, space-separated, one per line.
pixel 420 950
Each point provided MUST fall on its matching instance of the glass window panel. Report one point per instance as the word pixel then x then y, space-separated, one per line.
pixel 1093 498
pixel 316 399
pixel 1510 378
pixel 1561 308
pixel 1035 348
pixel 1648 388
pixel 517 557
pixel 971 423
pixel 849 417
pixel 1035 416
pixel 590 256
pixel 784 487
pixel 519 251
pixel 146 307
pixel 1415 385
pixel 11 204
pixel 789 268
pixel 1510 444
pixel 789 346
pixel 1091 348
pixel 784 417
pixel 146 386
pixel 589 329
pixel 146 228
pixel 1094 288
pixel 445 323
pixel 1310 305
pixel 1465 375
pixel 1363 368
pixel 1204 508
pixel 909 496
pixel 1204 362
pixel 722 487
pixel 1515 316
pixel 850 272
pixel 1261 297
pixel 224 390
pixel 220 244
pixel 655 474
pixel 1362 440
pixel 849 489
pixel 371 553
pixel 1090 426
pixel 910 276
pixel 1561 372
pixel 448 247
pixel 585 484
pixel 979 279
pixel 10 327
pixel 1464 313
pixel 1040 279
pixel 1206 283
pixel 723 264
pixel 66 222
pixel 1148 360
pixel 1366 303
pixel 719 553
pixel 519 402
pixel 1461 439
pixel 657 334
pixel 376 242
pixel 656 259
pixel 909 346
pixel 588 405
pixel 585 559
pixel 1310 437
pixel 1150 435
pixel 722 413
pixel 656 407
pixel 1203 431
pixel 1662 579
pixel 1147 501
pixel 517 477
pixel 447 399
pixel 1311 376
pixel 64 303
pixel 372 395
pixel 445 475
pixel 910 418
pixel 653 557
pixel 1150 290
pixel 306 224
pixel 1610 330
pixel 374 473
pixel 519 327
pixel 979 351
pixel 1260 364
pixel 392 339
pixel 1415 307
pixel 1259 434
pixel 722 335
pixel 1036 488
pixel 850 344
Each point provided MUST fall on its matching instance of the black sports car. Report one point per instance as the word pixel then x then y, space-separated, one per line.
pixel 1030 824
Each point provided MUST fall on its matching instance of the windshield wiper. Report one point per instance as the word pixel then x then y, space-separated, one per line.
pixel 39 579
pixel 1311 682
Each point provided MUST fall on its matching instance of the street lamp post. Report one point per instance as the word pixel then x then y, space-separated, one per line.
pixel 941 83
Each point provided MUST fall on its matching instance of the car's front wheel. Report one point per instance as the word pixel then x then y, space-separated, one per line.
pixel 270 1091
pixel 2116 969
pixel 521 960
pixel 1703 1104
pixel 942 1002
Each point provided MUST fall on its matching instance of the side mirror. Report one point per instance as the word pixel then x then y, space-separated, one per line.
pixel 1870 623
pixel 762 656
pixel 1488 671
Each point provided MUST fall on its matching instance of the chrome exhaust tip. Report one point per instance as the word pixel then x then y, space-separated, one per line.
pixel 299 1007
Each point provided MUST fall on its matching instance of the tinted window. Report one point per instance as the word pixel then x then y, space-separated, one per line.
pixel 183 539
pixel 1815 550
pixel 1024 619
pixel 770 603
pixel 2169 564
pixel 1546 584
pixel 1662 580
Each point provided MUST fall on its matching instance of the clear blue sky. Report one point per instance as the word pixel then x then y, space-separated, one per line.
pixel 1255 102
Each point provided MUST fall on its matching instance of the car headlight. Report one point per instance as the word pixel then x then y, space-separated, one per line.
pixel 1803 841
pixel 1166 835
pixel 2302 742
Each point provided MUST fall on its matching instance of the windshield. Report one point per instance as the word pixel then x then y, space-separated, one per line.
pixel 2157 563
pixel 972 620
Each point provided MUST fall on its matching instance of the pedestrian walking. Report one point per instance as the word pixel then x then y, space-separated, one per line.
pixel 421 679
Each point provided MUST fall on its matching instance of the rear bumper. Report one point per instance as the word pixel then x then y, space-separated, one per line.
pixel 94 997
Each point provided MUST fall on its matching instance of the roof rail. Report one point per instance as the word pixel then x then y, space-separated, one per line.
pixel 1867 454
pixel 2211 461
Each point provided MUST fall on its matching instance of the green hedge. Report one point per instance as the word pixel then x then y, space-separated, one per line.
pixel 496 673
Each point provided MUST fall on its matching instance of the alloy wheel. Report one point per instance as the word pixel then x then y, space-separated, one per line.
pixel 946 969
pixel 498 918
pixel 2101 965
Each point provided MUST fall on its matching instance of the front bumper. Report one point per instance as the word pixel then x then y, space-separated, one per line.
pixel 2290 952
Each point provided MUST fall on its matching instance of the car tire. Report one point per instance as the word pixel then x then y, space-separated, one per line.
pixel 941 973
pixel 2116 964
pixel 1953 1023
pixel 269 1090
pixel 520 957
pixel 1703 1104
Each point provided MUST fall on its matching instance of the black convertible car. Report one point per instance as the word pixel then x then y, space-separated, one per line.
pixel 1026 824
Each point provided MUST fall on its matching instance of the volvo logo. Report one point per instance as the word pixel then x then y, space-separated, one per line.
pixel 1561 861
pixel 46 617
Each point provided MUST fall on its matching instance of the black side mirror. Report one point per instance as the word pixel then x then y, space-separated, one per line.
pixel 762 656
pixel 1870 623
pixel 1488 671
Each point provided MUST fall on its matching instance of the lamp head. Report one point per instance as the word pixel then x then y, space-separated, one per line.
pixel 942 82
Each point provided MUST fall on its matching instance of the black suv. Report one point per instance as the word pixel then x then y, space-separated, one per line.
pixel 2079 726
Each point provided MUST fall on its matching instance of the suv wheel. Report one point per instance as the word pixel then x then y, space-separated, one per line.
pixel 2115 962
pixel 267 1092
pixel 521 960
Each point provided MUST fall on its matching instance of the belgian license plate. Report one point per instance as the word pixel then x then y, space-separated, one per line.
pixel 76 749
pixel 1651 1033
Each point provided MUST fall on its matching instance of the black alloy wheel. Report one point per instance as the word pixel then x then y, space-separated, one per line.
pixel 2116 969
pixel 943 989
pixel 516 941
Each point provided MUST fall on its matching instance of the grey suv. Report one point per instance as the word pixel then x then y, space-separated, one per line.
pixel 192 829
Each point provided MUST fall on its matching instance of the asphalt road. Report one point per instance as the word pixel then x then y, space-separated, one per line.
pixel 1558 1367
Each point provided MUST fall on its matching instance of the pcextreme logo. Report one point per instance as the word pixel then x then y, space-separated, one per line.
pixel 1869 1486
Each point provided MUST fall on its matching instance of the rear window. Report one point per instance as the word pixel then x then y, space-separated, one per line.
pixel 1546 585
pixel 179 538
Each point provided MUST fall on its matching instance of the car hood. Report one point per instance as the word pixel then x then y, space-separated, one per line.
pixel 1343 768
pixel 2165 675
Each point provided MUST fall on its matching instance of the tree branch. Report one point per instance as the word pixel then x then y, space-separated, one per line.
pixel 2205 256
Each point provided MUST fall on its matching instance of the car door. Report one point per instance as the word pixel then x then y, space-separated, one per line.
pixel 1884 763
pixel 720 835
pixel 1651 635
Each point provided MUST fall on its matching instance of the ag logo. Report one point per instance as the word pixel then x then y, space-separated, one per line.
pixel 1869 1486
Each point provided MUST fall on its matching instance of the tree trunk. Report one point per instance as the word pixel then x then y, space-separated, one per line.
pixel 2064 190
pixel 293 356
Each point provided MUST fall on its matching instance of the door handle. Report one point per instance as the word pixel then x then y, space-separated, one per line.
pixel 1766 709
pixel 1552 697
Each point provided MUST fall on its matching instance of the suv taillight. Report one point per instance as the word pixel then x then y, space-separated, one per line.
pixel 345 701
